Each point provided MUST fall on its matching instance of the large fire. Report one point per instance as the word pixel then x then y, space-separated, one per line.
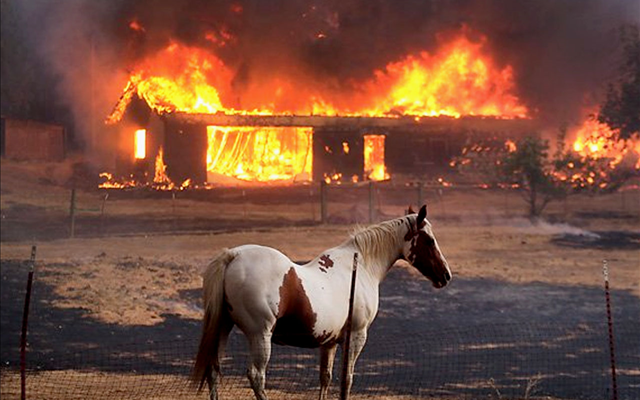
pixel 259 153
pixel 459 78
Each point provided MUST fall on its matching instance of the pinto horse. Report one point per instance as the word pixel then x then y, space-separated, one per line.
pixel 272 299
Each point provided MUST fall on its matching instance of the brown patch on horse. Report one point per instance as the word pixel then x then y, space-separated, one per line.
pixel 296 318
pixel 325 261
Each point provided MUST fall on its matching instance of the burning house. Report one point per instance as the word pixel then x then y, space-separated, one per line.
pixel 174 128
pixel 236 92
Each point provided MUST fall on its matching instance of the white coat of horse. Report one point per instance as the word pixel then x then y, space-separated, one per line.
pixel 272 299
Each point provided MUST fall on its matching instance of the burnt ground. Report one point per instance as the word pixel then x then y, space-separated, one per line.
pixel 475 334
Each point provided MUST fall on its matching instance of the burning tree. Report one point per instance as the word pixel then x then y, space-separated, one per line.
pixel 527 166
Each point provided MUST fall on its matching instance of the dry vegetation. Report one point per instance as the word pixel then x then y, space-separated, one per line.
pixel 134 279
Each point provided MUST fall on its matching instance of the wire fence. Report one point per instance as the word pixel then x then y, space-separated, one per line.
pixel 118 212
pixel 497 361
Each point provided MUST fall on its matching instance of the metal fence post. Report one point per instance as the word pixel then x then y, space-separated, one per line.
pixel 23 336
pixel 612 352
pixel 344 390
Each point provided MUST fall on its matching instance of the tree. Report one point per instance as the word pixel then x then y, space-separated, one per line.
pixel 529 169
pixel 621 108
pixel 541 178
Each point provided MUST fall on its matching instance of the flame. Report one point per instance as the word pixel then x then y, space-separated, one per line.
pixel 140 144
pixel 597 141
pixel 458 78
pixel 374 167
pixel 160 177
pixel 260 153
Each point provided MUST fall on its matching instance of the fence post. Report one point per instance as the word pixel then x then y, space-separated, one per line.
pixel 612 353
pixel 104 203
pixel 420 194
pixel 344 390
pixel 72 214
pixel 173 210
pixel 372 204
pixel 323 202
pixel 23 336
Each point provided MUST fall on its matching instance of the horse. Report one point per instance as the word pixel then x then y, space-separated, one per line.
pixel 274 300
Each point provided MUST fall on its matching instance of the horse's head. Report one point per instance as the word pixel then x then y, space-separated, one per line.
pixel 422 251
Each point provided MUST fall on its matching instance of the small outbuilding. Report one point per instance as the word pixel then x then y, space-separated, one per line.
pixel 32 140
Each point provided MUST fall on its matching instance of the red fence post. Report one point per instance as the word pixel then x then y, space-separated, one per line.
pixel 23 336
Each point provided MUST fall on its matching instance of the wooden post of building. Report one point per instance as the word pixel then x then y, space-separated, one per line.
pixel 72 214
pixel 372 204
pixel 323 201
pixel 344 390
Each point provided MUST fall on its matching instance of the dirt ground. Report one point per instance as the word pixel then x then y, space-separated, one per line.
pixel 137 253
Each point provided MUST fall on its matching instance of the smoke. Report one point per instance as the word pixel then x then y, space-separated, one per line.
pixel 563 51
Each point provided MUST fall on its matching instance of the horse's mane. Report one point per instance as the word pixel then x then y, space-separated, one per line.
pixel 377 241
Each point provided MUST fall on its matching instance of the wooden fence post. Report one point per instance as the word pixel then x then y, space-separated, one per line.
pixel 323 202
pixel 72 214
pixel 104 203
pixel 372 209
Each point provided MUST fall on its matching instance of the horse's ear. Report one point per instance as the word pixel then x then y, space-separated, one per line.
pixel 422 214
pixel 409 211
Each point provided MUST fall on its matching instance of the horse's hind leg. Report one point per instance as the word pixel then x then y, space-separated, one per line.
pixel 327 357
pixel 358 340
pixel 213 379
pixel 260 349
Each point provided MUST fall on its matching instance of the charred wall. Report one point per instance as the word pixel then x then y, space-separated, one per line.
pixel 185 152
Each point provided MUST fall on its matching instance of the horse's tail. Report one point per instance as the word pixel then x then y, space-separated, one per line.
pixel 213 288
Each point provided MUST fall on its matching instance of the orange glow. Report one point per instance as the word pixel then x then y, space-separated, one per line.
pixel 459 78
pixel 596 140
pixel 374 167
pixel 135 26
pixel 140 144
pixel 160 176
pixel 260 154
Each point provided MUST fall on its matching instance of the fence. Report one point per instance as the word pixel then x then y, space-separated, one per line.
pixel 504 361
pixel 144 211
pixel 71 356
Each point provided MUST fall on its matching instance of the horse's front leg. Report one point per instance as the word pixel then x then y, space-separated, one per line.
pixel 327 356
pixel 358 340
pixel 260 348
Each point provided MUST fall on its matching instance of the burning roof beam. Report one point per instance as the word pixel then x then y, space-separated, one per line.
pixel 352 123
